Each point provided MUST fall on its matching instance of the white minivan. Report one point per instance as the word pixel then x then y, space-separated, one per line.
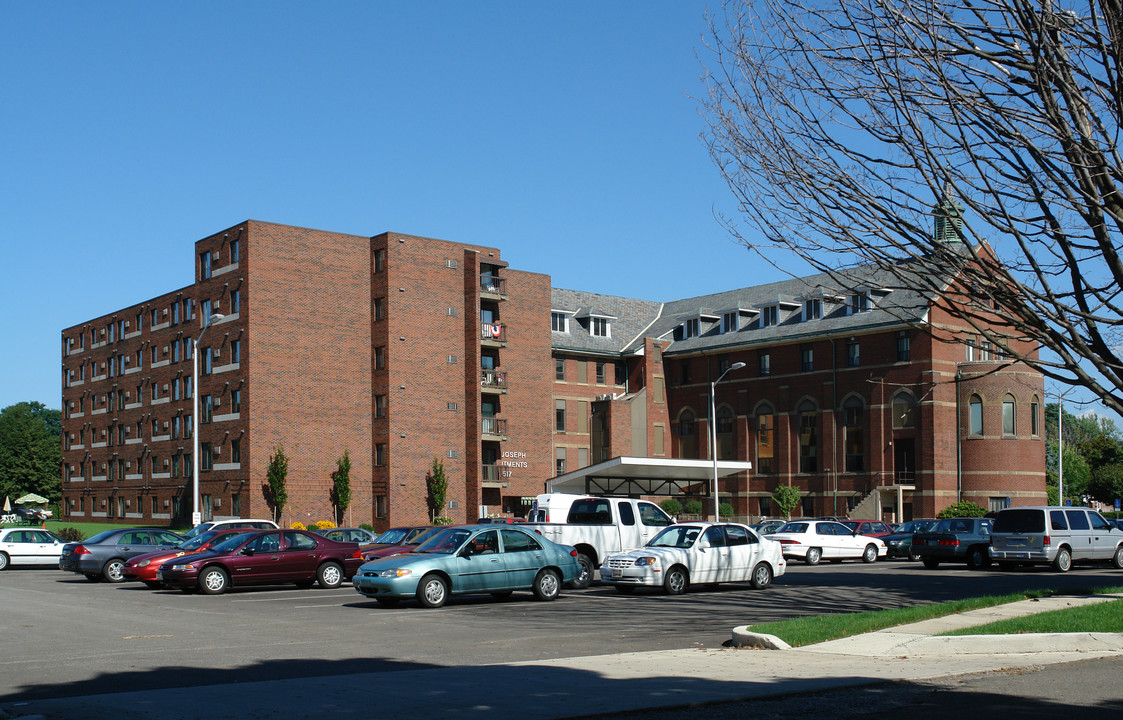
pixel 1057 536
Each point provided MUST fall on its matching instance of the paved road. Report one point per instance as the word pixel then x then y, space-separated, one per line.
pixel 65 636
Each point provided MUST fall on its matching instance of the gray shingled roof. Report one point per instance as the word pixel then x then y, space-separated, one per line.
pixel 636 319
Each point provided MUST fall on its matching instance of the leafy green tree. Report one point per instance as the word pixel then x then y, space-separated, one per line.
pixel 341 486
pixel 962 509
pixel 787 499
pixel 436 483
pixel 671 506
pixel 1107 483
pixel 725 510
pixel 692 507
pixel 30 451
pixel 275 478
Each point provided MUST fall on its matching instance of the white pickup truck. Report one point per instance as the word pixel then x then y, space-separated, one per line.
pixel 599 526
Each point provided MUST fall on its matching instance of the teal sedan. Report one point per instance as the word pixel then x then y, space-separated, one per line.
pixel 470 559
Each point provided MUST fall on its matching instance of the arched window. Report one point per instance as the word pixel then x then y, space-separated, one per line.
pixel 1009 411
pixel 765 447
pixel 725 444
pixel 853 426
pixel 808 437
pixel 976 416
pixel 687 435
pixel 904 411
pixel 1035 417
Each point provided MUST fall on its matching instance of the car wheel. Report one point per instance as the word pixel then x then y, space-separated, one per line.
pixel 213 580
pixel 762 576
pixel 625 589
pixel 675 581
pixel 1063 561
pixel 814 555
pixel 387 601
pixel 330 575
pixel 153 584
pixel 113 571
pixel 869 554
pixel 931 563
pixel 3 561
pixel 976 558
pixel 92 577
pixel 501 595
pixel 547 584
pixel 585 572
pixel 432 591
pixel 1117 558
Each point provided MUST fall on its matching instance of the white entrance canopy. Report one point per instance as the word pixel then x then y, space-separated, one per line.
pixel 626 476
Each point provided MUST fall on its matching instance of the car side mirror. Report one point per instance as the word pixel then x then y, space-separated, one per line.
pixel 247 551
pixel 466 552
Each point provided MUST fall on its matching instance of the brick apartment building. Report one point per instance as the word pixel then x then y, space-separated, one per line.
pixel 401 350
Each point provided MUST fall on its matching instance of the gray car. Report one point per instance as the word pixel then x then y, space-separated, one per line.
pixel 103 556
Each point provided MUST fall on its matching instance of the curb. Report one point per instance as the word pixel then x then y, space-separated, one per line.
pixel 743 637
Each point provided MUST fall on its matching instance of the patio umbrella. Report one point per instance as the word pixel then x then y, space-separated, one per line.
pixel 31 498
pixel 7 505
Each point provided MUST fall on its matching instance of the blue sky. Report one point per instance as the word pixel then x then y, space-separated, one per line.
pixel 563 133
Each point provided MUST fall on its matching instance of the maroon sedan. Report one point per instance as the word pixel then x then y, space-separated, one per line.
pixel 264 557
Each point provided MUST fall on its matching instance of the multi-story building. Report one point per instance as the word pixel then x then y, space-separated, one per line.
pixel 403 351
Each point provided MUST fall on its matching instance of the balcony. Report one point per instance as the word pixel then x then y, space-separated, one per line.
pixel 493 381
pixel 493 428
pixel 493 287
pixel 493 335
pixel 493 476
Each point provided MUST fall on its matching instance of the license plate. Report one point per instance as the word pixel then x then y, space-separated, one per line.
pixel 1017 555
pixel 617 572
pixel 159 575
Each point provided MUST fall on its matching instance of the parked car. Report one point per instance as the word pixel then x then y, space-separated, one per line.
pixel 348 534
pixel 401 535
pixel 870 528
pixel 29 547
pixel 470 559
pixel 103 556
pixel 696 553
pixel 144 567
pixel 238 523
pixel 264 557
pixel 965 540
pixel 815 540
pixel 767 527
pixel 899 542
pixel 409 545
pixel 1057 536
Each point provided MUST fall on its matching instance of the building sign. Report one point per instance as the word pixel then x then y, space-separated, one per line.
pixel 511 460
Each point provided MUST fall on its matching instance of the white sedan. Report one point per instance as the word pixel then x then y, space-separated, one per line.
pixel 815 540
pixel 696 553
pixel 20 546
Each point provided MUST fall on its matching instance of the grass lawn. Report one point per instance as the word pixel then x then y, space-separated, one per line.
pixel 1098 617
pixel 811 630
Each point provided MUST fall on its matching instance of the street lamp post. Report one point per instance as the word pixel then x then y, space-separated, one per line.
pixel 196 517
pixel 713 428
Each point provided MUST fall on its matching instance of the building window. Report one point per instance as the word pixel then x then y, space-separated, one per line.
pixel 380 308
pixel 808 438
pixel 380 454
pixel 559 322
pixel 235 351
pixel 559 369
pixel 208 361
pixel 807 359
pixel 205 265
pixel 904 411
pixel 724 425
pixel 812 309
pixel 380 358
pixel 601 377
pixel 599 327
pixel 729 322
pixel 976 415
pixel 235 401
pixel 379 260
pixel 971 350
pixel 206 408
pixel 176 464
pixel 692 328
pixel 859 302
pixel 380 506
pixel 188 309
pixel 853 353
pixel 559 462
pixel 206 459
pixel 235 251
pixel 854 437
pixel 1009 407
pixel 684 372
pixel 770 316
pixel 175 427
pixel 764 363
pixel 559 416
pixel 686 424
pixel 765 449
pixel 236 451
pixel 380 406
pixel 208 310
pixel 904 351
pixel 1034 415
pixel 621 374
pixel 235 301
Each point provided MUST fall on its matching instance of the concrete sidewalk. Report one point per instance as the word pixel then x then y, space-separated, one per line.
pixel 573 687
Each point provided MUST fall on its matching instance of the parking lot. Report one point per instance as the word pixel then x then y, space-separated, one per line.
pixel 66 636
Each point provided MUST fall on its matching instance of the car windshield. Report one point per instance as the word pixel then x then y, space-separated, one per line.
pixel 423 536
pixel 445 541
pixel 392 537
pixel 792 527
pixel 678 536
pixel 232 542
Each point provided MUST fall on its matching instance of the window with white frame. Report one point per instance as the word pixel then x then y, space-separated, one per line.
pixel 770 316
pixel 559 322
pixel 859 302
pixel 692 328
pixel 600 327
pixel 812 309
pixel 730 322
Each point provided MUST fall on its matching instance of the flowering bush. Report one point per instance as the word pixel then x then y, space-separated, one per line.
pixel 298 526
pixel 324 525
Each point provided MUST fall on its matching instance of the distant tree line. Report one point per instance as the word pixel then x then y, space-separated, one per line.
pixel 1092 461
pixel 30 451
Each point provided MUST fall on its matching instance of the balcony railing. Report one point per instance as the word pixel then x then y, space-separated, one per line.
pixel 493 380
pixel 495 427
pixel 490 473
pixel 493 285
pixel 493 332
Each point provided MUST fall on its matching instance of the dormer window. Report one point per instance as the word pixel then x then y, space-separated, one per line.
pixel 812 309
pixel 692 328
pixel 600 327
pixel 859 302
pixel 770 316
pixel 730 322
pixel 559 322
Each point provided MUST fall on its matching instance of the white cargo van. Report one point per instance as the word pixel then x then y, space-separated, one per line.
pixel 1057 536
